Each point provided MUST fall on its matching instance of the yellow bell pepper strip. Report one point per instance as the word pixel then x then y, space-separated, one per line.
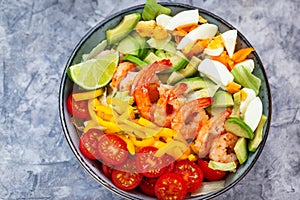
pixel 92 103
pixel 131 130
pixel 166 133
pixel 192 157
pixel 129 143
pixel 185 155
pixel 105 109
pixel 87 95
pixel 145 122
pixel 159 144
pixel 150 128
pixel 170 147
pixel 142 143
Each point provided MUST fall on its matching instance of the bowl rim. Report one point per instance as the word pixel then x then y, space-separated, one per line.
pixel 91 31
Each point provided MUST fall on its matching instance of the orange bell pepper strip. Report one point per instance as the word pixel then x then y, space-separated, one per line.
pixel 241 54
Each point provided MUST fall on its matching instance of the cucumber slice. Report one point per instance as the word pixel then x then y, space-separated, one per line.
pixel 129 46
pixel 151 58
pixel 241 150
pixel 186 72
pixel 238 127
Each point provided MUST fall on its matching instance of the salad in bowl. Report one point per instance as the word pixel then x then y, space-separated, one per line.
pixel 165 101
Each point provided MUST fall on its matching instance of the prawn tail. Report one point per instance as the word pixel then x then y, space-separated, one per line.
pixel 143 101
pixel 204 102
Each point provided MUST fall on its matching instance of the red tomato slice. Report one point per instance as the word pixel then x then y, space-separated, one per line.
pixel 107 170
pixel 112 149
pixel 210 174
pixel 169 160
pixel 78 109
pixel 88 143
pixel 191 173
pixel 126 176
pixel 170 186
pixel 147 185
pixel 148 164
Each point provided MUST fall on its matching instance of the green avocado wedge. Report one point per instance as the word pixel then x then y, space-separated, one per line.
pixel 231 166
pixel 119 32
pixel 258 135
pixel 241 150
pixel 238 127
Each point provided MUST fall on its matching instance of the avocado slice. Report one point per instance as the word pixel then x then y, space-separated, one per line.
pixel 222 99
pixel 188 71
pixel 231 166
pixel 238 127
pixel 196 83
pixel 236 106
pixel 254 143
pixel 129 46
pixel 119 32
pixel 241 150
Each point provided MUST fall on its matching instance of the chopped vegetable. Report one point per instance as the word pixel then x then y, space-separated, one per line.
pixel 152 10
pixel 246 79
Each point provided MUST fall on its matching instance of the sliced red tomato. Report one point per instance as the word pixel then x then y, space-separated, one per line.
pixel 88 143
pixel 191 173
pixel 170 186
pixel 126 176
pixel 112 149
pixel 149 165
pixel 147 185
pixel 107 170
pixel 210 174
pixel 170 162
pixel 78 109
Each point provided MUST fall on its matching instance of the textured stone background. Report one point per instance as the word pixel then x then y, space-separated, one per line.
pixel 36 38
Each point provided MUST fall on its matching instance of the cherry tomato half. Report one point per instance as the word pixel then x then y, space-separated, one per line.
pixel 148 164
pixel 210 174
pixel 170 186
pixel 88 143
pixel 191 173
pixel 126 176
pixel 147 185
pixel 78 109
pixel 112 149
pixel 107 170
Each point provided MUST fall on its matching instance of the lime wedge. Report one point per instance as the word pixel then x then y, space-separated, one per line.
pixel 95 73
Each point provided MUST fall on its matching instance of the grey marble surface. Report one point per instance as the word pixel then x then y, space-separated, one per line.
pixel 36 38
